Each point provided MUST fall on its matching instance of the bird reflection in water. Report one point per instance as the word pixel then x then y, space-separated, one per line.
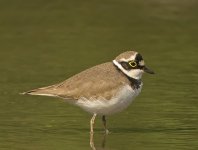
pixel 92 144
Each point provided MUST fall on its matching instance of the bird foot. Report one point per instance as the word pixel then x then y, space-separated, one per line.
pixel 106 131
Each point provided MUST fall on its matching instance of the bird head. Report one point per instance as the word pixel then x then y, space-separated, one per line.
pixel 131 63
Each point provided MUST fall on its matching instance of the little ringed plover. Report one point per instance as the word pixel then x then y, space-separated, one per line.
pixel 104 89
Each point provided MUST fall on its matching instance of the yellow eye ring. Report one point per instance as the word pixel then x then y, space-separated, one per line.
pixel 133 64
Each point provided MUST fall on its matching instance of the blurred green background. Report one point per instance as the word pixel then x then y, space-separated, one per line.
pixel 43 42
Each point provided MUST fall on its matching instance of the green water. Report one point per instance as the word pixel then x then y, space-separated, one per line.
pixel 43 42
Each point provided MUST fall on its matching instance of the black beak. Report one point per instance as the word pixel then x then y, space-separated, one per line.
pixel 147 70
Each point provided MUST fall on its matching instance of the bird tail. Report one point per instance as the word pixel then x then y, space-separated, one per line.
pixel 44 91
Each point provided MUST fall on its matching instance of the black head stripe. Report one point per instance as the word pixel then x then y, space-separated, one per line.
pixel 138 58
pixel 125 65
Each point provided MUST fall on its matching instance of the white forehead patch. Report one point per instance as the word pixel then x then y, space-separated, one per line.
pixel 141 63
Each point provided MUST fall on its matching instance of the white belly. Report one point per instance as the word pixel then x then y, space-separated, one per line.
pixel 102 106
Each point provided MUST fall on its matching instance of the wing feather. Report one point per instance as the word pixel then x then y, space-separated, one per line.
pixel 99 81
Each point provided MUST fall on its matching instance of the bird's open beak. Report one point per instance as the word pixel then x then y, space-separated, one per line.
pixel 147 70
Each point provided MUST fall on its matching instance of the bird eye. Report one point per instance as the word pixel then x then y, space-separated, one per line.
pixel 133 64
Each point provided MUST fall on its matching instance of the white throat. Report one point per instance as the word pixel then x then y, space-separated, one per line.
pixel 134 73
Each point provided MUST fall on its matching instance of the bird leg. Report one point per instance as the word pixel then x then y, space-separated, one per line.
pixel 105 124
pixel 91 141
pixel 92 123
